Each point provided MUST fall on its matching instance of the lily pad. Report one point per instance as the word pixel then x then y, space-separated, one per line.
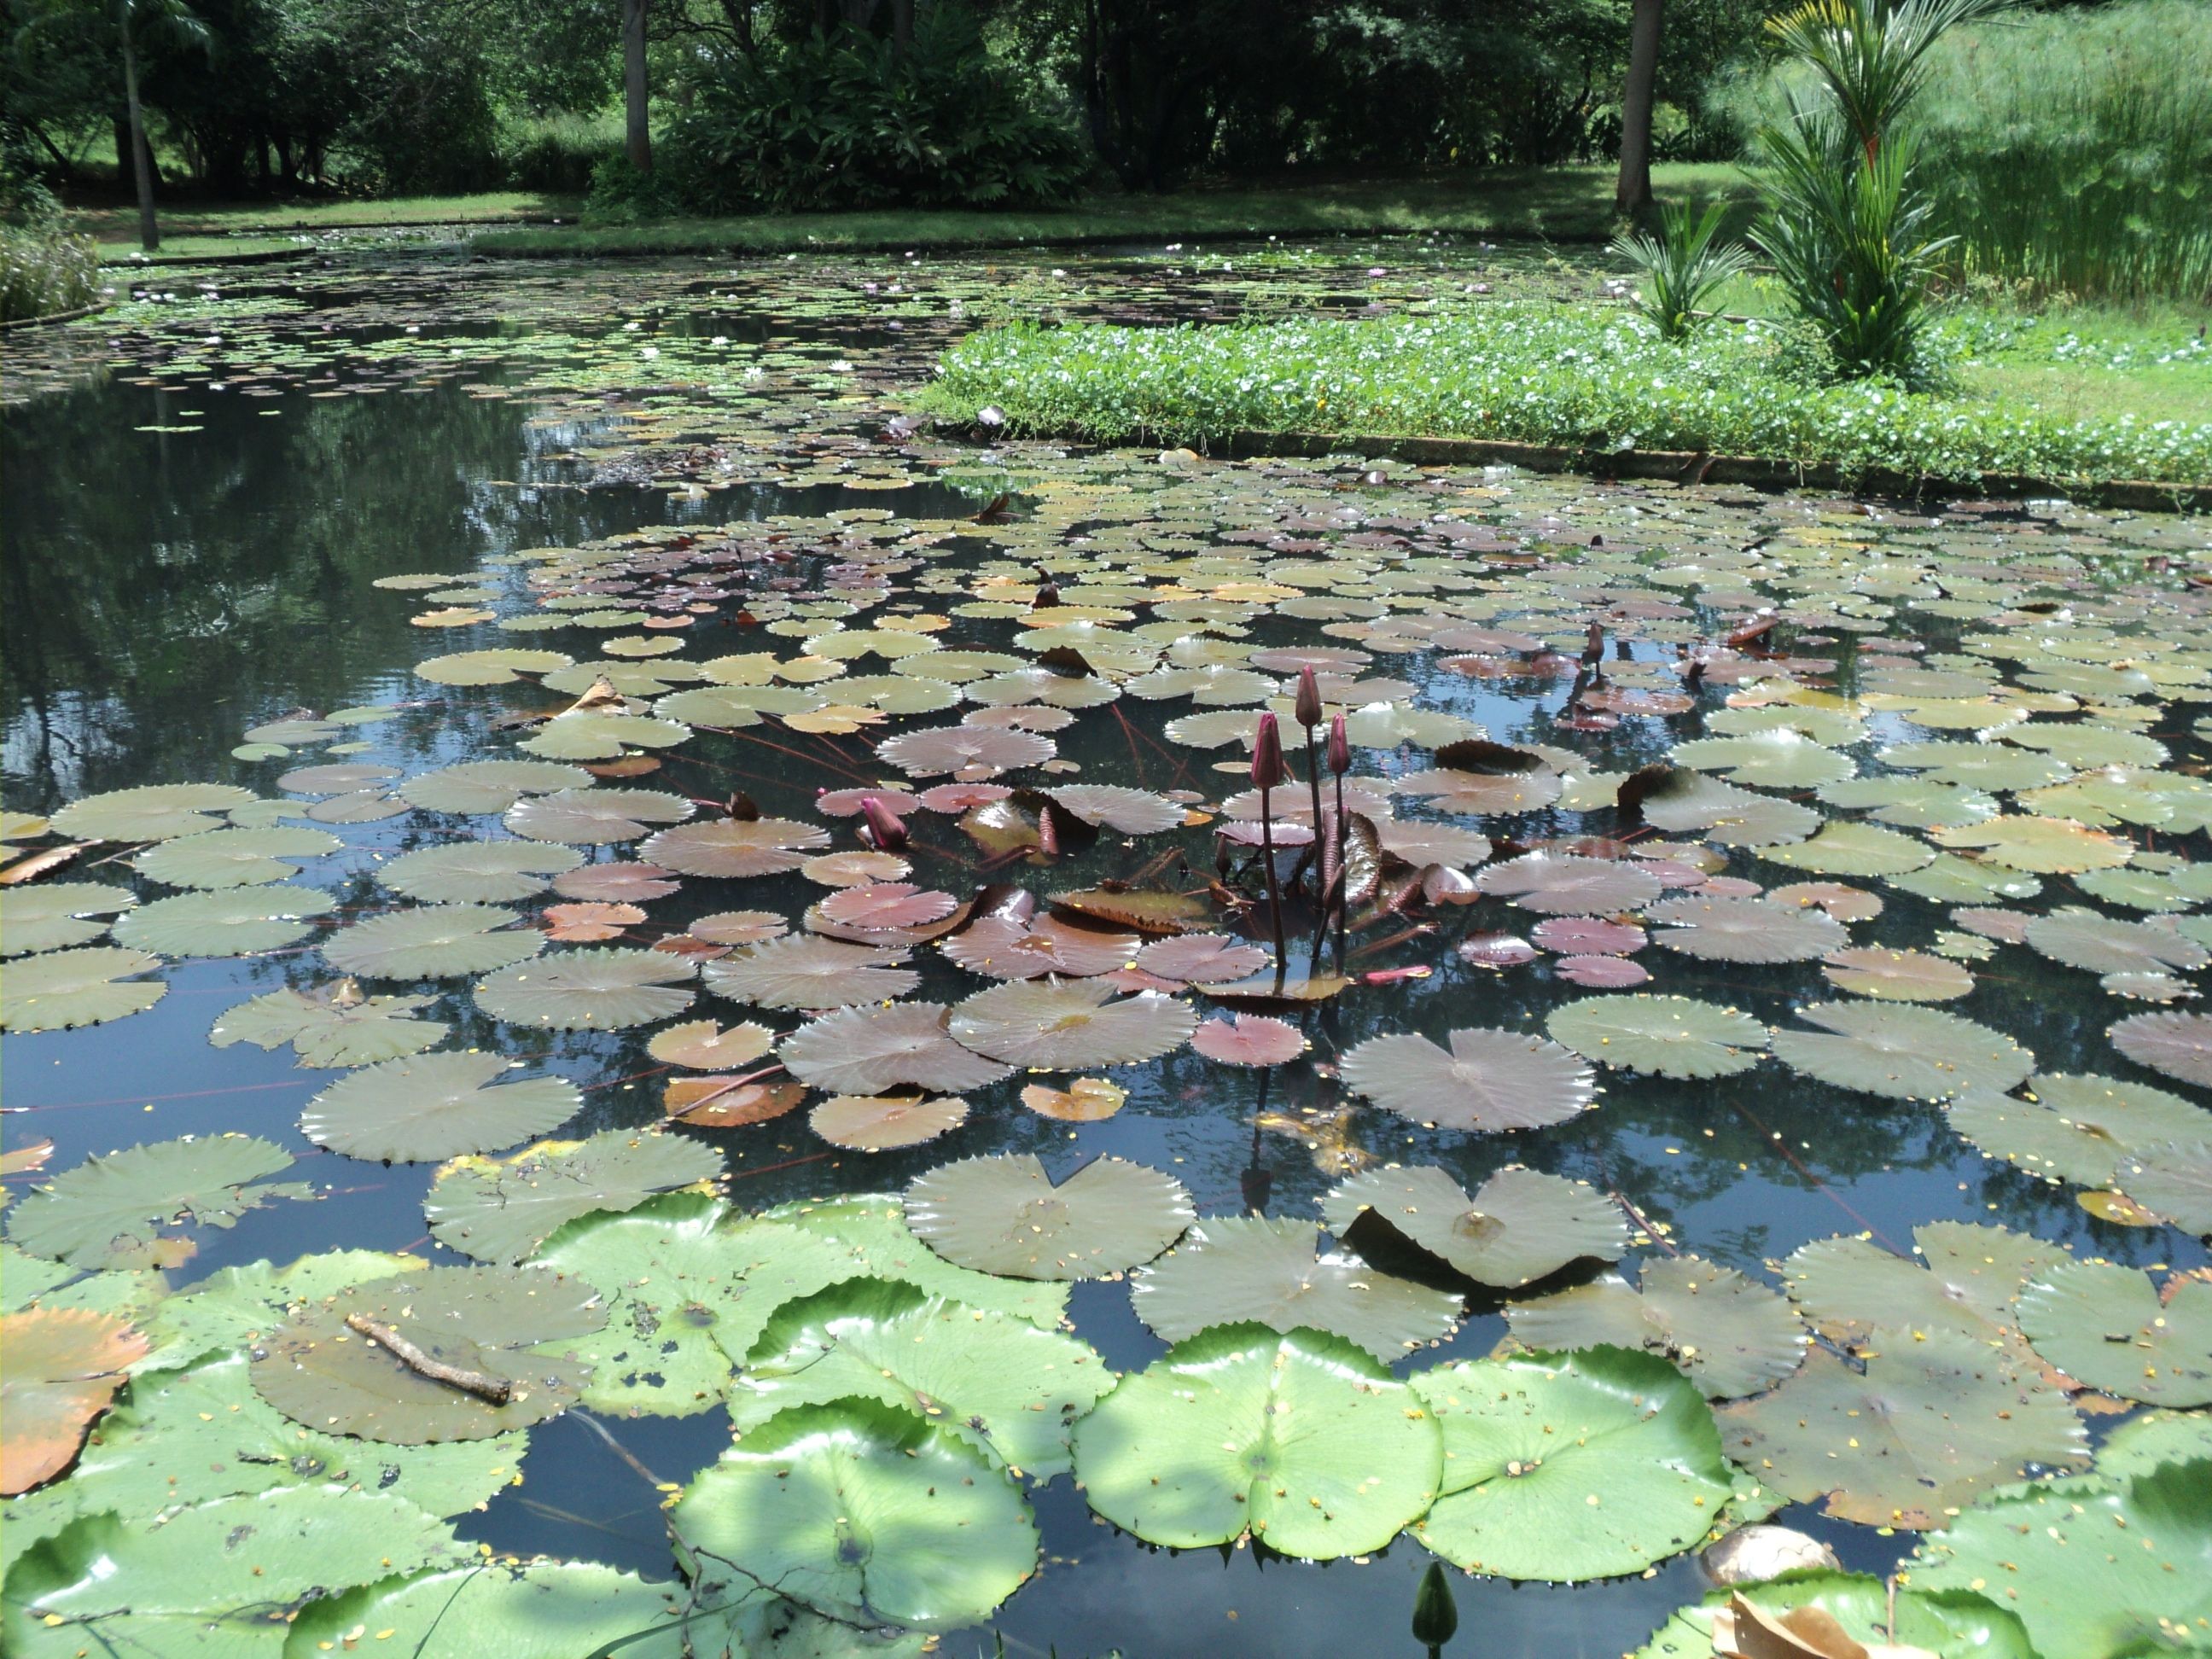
pixel 1520 1226
pixel 539 1609
pixel 594 817
pixel 109 1211
pixel 589 990
pixel 2045 846
pixel 1668 1037
pixel 1071 1027
pixel 1487 1080
pixel 430 1107
pixel 2076 1129
pixel 1248 1040
pixel 477 872
pixel 1852 849
pixel 968 751
pixel 704 1046
pixel 58 1369
pixel 862 1511
pixel 1729 1334
pixel 89 986
pixel 481 787
pixel 1565 885
pixel 434 941
pixel 2177 1045
pixel 873 1050
pixel 1302 1440
pixel 338 1027
pixel 1237 1268
pixel 1004 1215
pixel 1745 930
pixel 1006 948
pixel 232 922
pixel 2104 945
pixel 233 858
pixel 1565 1467
pixel 2107 1327
pixel 1947 1623
pixel 502 1210
pixel 156 813
pixel 810 973
pixel 1856 1292
pixel 878 1123
pixel 734 847
pixel 1901 1052
pixel 52 916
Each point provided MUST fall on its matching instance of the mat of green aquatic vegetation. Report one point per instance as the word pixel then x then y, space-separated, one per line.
pixel 2007 394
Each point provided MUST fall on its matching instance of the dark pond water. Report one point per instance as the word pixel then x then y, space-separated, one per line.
pixel 186 559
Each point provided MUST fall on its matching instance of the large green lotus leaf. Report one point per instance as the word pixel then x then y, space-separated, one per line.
pixel 436 941
pixel 109 1212
pixel 2150 1438
pixel 2079 744
pixel 1069 1026
pixel 427 1107
pixel 863 1511
pixel 1486 1080
pixel 1853 1290
pixel 874 1225
pixel 28 1280
pixel 478 872
pixel 181 1438
pixel 494 667
pixel 688 1288
pixel 2077 1127
pixel 1915 803
pixel 502 1210
pixel 233 858
pixel 1778 759
pixel 875 1050
pixel 234 1307
pixel 1003 1215
pixel 51 916
pixel 1927 1426
pixel 2096 1569
pixel 1234 1269
pixel 1955 881
pixel 1731 1334
pixel 88 987
pixel 1566 886
pixel 598 734
pixel 2042 846
pixel 1000 1382
pixel 539 1609
pixel 593 818
pixel 340 1028
pixel 475 787
pixel 1852 849
pixel 1683 800
pixel 1571 1466
pixel 498 1322
pixel 1668 1037
pixel 265 1552
pixel 2105 1326
pixel 1901 1052
pixel 2175 1178
pixel 1301 1439
pixel 1520 1226
pixel 157 813
pixel 1746 929
pixel 1951 1624
pixel 2081 938
pixel 590 990
pixel 232 921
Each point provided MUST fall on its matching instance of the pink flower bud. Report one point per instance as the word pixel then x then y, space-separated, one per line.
pixel 1308 703
pixel 1267 768
pixel 885 828
pixel 1340 747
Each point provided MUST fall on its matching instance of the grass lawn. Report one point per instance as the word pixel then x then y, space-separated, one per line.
pixel 216 229
pixel 1558 203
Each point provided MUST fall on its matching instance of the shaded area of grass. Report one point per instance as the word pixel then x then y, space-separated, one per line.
pixel 1595 378
pixel 262 227
pixel 1558 203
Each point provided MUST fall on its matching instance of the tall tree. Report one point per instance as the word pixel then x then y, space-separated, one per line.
pixel 636 102
pixel 1632 194
pixel 172 13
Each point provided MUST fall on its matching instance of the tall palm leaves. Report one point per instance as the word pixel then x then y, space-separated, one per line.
pixel 1682 267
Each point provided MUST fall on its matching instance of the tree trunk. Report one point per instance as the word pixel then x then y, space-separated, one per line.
pixel 640 130
pixel 1632 195
pixel 142 160
pixel 902 26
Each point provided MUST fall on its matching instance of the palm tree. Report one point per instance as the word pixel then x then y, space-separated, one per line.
pixel 179 17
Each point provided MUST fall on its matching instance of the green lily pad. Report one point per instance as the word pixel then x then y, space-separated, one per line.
pixel 598 734
pixel 156 813
pixel 594 817
pixel 478 872
pixel 2096 1569
pixel 590 990
pixel 89 986
pixel 52 916
pixel 1571 1466
pixel 1007 1388
pixel 1901 1052
pixel 1915 803
pixel 730 848
pixel 1668 1037
pixel 1852 849
pixel 2075 1128
pixel 1075 1026
pixel 1777 759
pixel 1519 1227
pixel 1235 1269
pixel 1302 1440
pixel 2150 1438
pixel 493 1322
pixel 2044 846
pixel 2173 1178
pixel 435 941
pixel 109 1212
pixel 537 1609
pixel 1951 879
pixel 230 921
pixel 502 1210
pixel 426 1108
pixel 1967 1280
pixel 1950 1624
pixel 862 1511
pixel 497 666
pixel 479 787
pixel 1928 1425
pixel 1004 1215
pixel 233 858
pixel 2104 945
pixel 1684 800
pixel 874 1225
pixel 332 1029
pixel 1730 1335
pixel 1486 1080
pixel 1745 929
pixel 2105 1326
pixel 235 1307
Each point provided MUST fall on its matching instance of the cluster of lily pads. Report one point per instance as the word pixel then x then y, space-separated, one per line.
pixel 866 830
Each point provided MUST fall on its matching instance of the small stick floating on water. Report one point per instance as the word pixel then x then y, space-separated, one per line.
pixel 497 1389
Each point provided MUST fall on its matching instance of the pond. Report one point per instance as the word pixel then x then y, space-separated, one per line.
pixel 1857 1031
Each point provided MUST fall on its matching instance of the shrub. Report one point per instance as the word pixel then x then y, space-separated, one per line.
pixel 1682 268
pixel 560 156
pixel 43 269
pixel 848 122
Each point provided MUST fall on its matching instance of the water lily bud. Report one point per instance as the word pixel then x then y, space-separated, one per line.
pixel 1436 1617
pixel 885 829
pixel 1267 768
pixel 1308 703
pixel 1340 747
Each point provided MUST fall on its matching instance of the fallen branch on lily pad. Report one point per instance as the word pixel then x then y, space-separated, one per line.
pixel 497 1389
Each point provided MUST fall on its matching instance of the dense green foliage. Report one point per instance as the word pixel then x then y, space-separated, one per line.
pixel 1531 372
pixel 1683 267
pixel 43 269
